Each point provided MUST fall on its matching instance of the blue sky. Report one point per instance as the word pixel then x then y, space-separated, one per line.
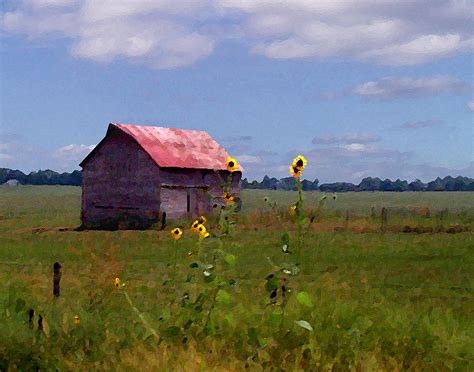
pixel 360 88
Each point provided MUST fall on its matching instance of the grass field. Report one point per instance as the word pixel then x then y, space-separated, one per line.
pixel 393 298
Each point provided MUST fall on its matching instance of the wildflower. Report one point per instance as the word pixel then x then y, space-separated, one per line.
pixel 202 231
pixel 231 164
pixel 194 225
pixel 76 320
pixel 228 198
pixel 266 199
pixel 176 233
pixel 117 282
pixel 189 254
pixel 123 285
pixel 293 210
pixel 202 220
pixel 299 163
pixel 295 172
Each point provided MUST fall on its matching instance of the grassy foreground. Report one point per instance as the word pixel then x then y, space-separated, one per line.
pixel 373 300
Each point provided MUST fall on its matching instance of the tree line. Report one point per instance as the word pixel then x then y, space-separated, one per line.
pixel 367 184
pixel 41 177
pixel 49 177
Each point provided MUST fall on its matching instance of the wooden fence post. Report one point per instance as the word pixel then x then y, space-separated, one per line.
pixel 31 314
pixel 40 323
pixel 56 278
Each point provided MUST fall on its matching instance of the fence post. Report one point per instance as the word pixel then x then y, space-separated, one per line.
pixel 346 222
pixel 31 314
pixel 384 219
pixel 56 278
pixel 372 212
pixel 40 323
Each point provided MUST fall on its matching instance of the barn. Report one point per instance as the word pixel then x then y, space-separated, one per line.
pixel 138 172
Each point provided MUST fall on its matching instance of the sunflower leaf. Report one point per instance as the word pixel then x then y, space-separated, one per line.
pixel 304 299
pixel 304 324
pixel 230 259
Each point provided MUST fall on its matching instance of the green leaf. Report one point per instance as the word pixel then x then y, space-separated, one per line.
pixel 304 299
pixel 223 297
pixel 285 239
pixel 302 220
pixel 230 259
pixel 276 317
pixel 304 324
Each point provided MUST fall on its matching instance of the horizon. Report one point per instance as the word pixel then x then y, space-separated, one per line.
pixel 250 180
pixel 389 96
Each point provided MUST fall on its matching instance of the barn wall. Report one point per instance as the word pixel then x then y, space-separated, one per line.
pixel 202 186
pixel 120 186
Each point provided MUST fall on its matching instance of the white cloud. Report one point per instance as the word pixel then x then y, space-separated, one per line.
pixel 5 157
pixel 169 34
pixel 425 48
pixel 72 152
pixel 346 138
pixel 470 106
pixel 158 33
pixel 421 124
pixel 393 87
pixel 249 159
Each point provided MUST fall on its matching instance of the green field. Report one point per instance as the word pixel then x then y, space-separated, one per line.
pixel 392 297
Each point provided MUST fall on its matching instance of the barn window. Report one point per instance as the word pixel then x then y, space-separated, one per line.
pixel 188 205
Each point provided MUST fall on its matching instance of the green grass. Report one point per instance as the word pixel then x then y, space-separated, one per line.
pixel 378 300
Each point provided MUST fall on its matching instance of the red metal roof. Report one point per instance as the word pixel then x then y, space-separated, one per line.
pixel 178 148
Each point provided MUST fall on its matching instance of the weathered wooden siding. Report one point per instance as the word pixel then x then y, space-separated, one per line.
pixel 202 186
pixel 120 186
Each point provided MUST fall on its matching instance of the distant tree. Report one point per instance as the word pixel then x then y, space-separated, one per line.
pixel 416 185
pixel 370 184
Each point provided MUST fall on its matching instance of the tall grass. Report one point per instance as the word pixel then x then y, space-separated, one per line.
pixel 378 300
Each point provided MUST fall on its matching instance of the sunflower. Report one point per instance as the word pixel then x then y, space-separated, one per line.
pixel 202 231
pixel 117 282
pixel 176 233
pixel 76 320
pixel 195 225
pixel 295 172
pixel 202 220
pixel 299 163
pixel 231 164
pixel 293 210
pixel 228 198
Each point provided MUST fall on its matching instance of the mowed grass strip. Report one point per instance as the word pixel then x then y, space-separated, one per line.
pixel 379 300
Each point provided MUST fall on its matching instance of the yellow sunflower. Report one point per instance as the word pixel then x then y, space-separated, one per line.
pixel 117 282
pixel 299 162
pixel 228 198
pixel 295 172
pixel 293 210
pixel 176 233
pixel 195 225
pixel 76 320
pixel 202 231
pixel 202 220
pixel 231 164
